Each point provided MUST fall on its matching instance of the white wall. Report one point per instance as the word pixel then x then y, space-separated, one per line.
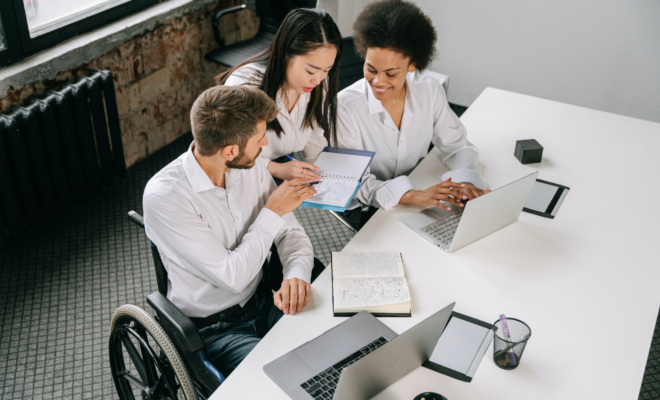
pixel 343 12
pixel 601 54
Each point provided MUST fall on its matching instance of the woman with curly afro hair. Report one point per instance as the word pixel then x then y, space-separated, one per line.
pixel 398 111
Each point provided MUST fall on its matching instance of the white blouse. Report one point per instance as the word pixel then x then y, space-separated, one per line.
pixel 294 137
pixel 363 123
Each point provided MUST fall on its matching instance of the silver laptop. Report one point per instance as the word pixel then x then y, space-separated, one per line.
pixel 356 359
pixel 458 227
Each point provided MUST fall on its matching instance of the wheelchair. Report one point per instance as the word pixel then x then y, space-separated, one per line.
pixel 166 351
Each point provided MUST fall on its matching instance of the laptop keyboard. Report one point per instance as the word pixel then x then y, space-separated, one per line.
pixel 322 386
pixel 443 231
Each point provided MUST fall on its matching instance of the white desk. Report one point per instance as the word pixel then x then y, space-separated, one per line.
pixel 587 282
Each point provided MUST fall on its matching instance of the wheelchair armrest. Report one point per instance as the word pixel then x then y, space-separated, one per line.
pixel 180 328
pixel 136 218
pixel 216 18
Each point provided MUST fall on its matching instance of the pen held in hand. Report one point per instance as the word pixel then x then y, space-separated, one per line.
pixel 311 170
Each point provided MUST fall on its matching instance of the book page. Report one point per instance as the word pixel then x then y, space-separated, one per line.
pixel 345 165
pixel 360 265
pixel 333 193
pixel 364 292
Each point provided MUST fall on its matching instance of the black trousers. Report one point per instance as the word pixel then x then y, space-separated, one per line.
pixel 273 274
pixel 357 218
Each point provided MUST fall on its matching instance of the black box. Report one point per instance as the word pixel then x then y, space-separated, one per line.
pixel 528 151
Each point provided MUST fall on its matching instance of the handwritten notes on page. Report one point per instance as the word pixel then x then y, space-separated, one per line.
pixel 372 281
pixel 334 192
pixel 369 292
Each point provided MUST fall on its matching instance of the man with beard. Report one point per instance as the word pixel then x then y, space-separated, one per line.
pixel 214 214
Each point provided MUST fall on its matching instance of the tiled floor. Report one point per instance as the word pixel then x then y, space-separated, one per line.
pixel 59 288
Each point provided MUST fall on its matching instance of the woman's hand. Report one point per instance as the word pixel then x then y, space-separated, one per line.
pixel 294 169
pixel 469 191
pixel 445 191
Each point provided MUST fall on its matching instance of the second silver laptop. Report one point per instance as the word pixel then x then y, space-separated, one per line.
pixel 451 230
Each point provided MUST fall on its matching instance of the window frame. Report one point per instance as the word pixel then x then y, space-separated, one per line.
pixel 19 44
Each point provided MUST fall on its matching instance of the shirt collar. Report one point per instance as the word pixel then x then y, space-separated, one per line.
pixel 375 106
pixel 197 178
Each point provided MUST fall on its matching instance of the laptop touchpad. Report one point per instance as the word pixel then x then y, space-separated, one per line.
pixel 329 348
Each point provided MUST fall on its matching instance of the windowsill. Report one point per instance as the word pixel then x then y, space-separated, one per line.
pixel 88 46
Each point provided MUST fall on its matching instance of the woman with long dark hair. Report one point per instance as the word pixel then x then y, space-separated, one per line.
pixel 299 70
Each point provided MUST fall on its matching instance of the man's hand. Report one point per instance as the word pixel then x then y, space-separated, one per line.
pixel 289 195
pixel 292 296
pixel 294 169
pixel 445 191
pixel 469 191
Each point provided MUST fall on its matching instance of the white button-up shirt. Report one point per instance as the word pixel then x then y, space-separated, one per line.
pixel 294 137
pixel 213 241
pixel 363 123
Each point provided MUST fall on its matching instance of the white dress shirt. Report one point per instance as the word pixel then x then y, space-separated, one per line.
pixel 363 123
pixel 213 241
pixel 294 137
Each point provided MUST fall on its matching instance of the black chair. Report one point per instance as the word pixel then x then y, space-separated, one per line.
pixel 271 15
pixel 350 65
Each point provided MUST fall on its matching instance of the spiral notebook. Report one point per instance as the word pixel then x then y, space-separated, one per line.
pixel 341 177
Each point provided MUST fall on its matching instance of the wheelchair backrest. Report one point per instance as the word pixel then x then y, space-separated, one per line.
pixel 161 272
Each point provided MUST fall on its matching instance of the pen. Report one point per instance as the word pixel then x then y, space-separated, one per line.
pixel 290 158
pixel 513 361
pixel 511 346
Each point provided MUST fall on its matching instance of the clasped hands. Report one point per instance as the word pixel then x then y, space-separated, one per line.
pixel 456 193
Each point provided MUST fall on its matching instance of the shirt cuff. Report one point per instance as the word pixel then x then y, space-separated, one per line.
pixel 269 220
pixel 390 194
pixel 300 272
pixel 470 175
pixel 353 205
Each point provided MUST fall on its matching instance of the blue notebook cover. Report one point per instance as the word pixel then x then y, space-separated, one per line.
pixel 363 153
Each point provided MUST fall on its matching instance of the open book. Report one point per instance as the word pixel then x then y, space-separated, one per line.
pixel 373 282
pixel 341 175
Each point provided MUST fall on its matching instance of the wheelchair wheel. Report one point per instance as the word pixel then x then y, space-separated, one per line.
pixel 135 338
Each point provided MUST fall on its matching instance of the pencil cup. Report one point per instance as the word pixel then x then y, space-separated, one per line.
pixel 508 349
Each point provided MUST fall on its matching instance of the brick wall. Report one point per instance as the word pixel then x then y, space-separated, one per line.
pixel 157 76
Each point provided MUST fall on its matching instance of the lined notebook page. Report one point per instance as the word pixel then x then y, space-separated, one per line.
pixel 369 292
pixel 333 192
pixel 343 165
pixel 366 265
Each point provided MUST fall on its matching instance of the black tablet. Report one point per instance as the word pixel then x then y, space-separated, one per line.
pixel 545 198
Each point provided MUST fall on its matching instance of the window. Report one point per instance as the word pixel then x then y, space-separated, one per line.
pixel 31 26
pixel 45 16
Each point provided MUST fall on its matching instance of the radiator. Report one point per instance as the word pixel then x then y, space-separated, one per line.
pixel 55 150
